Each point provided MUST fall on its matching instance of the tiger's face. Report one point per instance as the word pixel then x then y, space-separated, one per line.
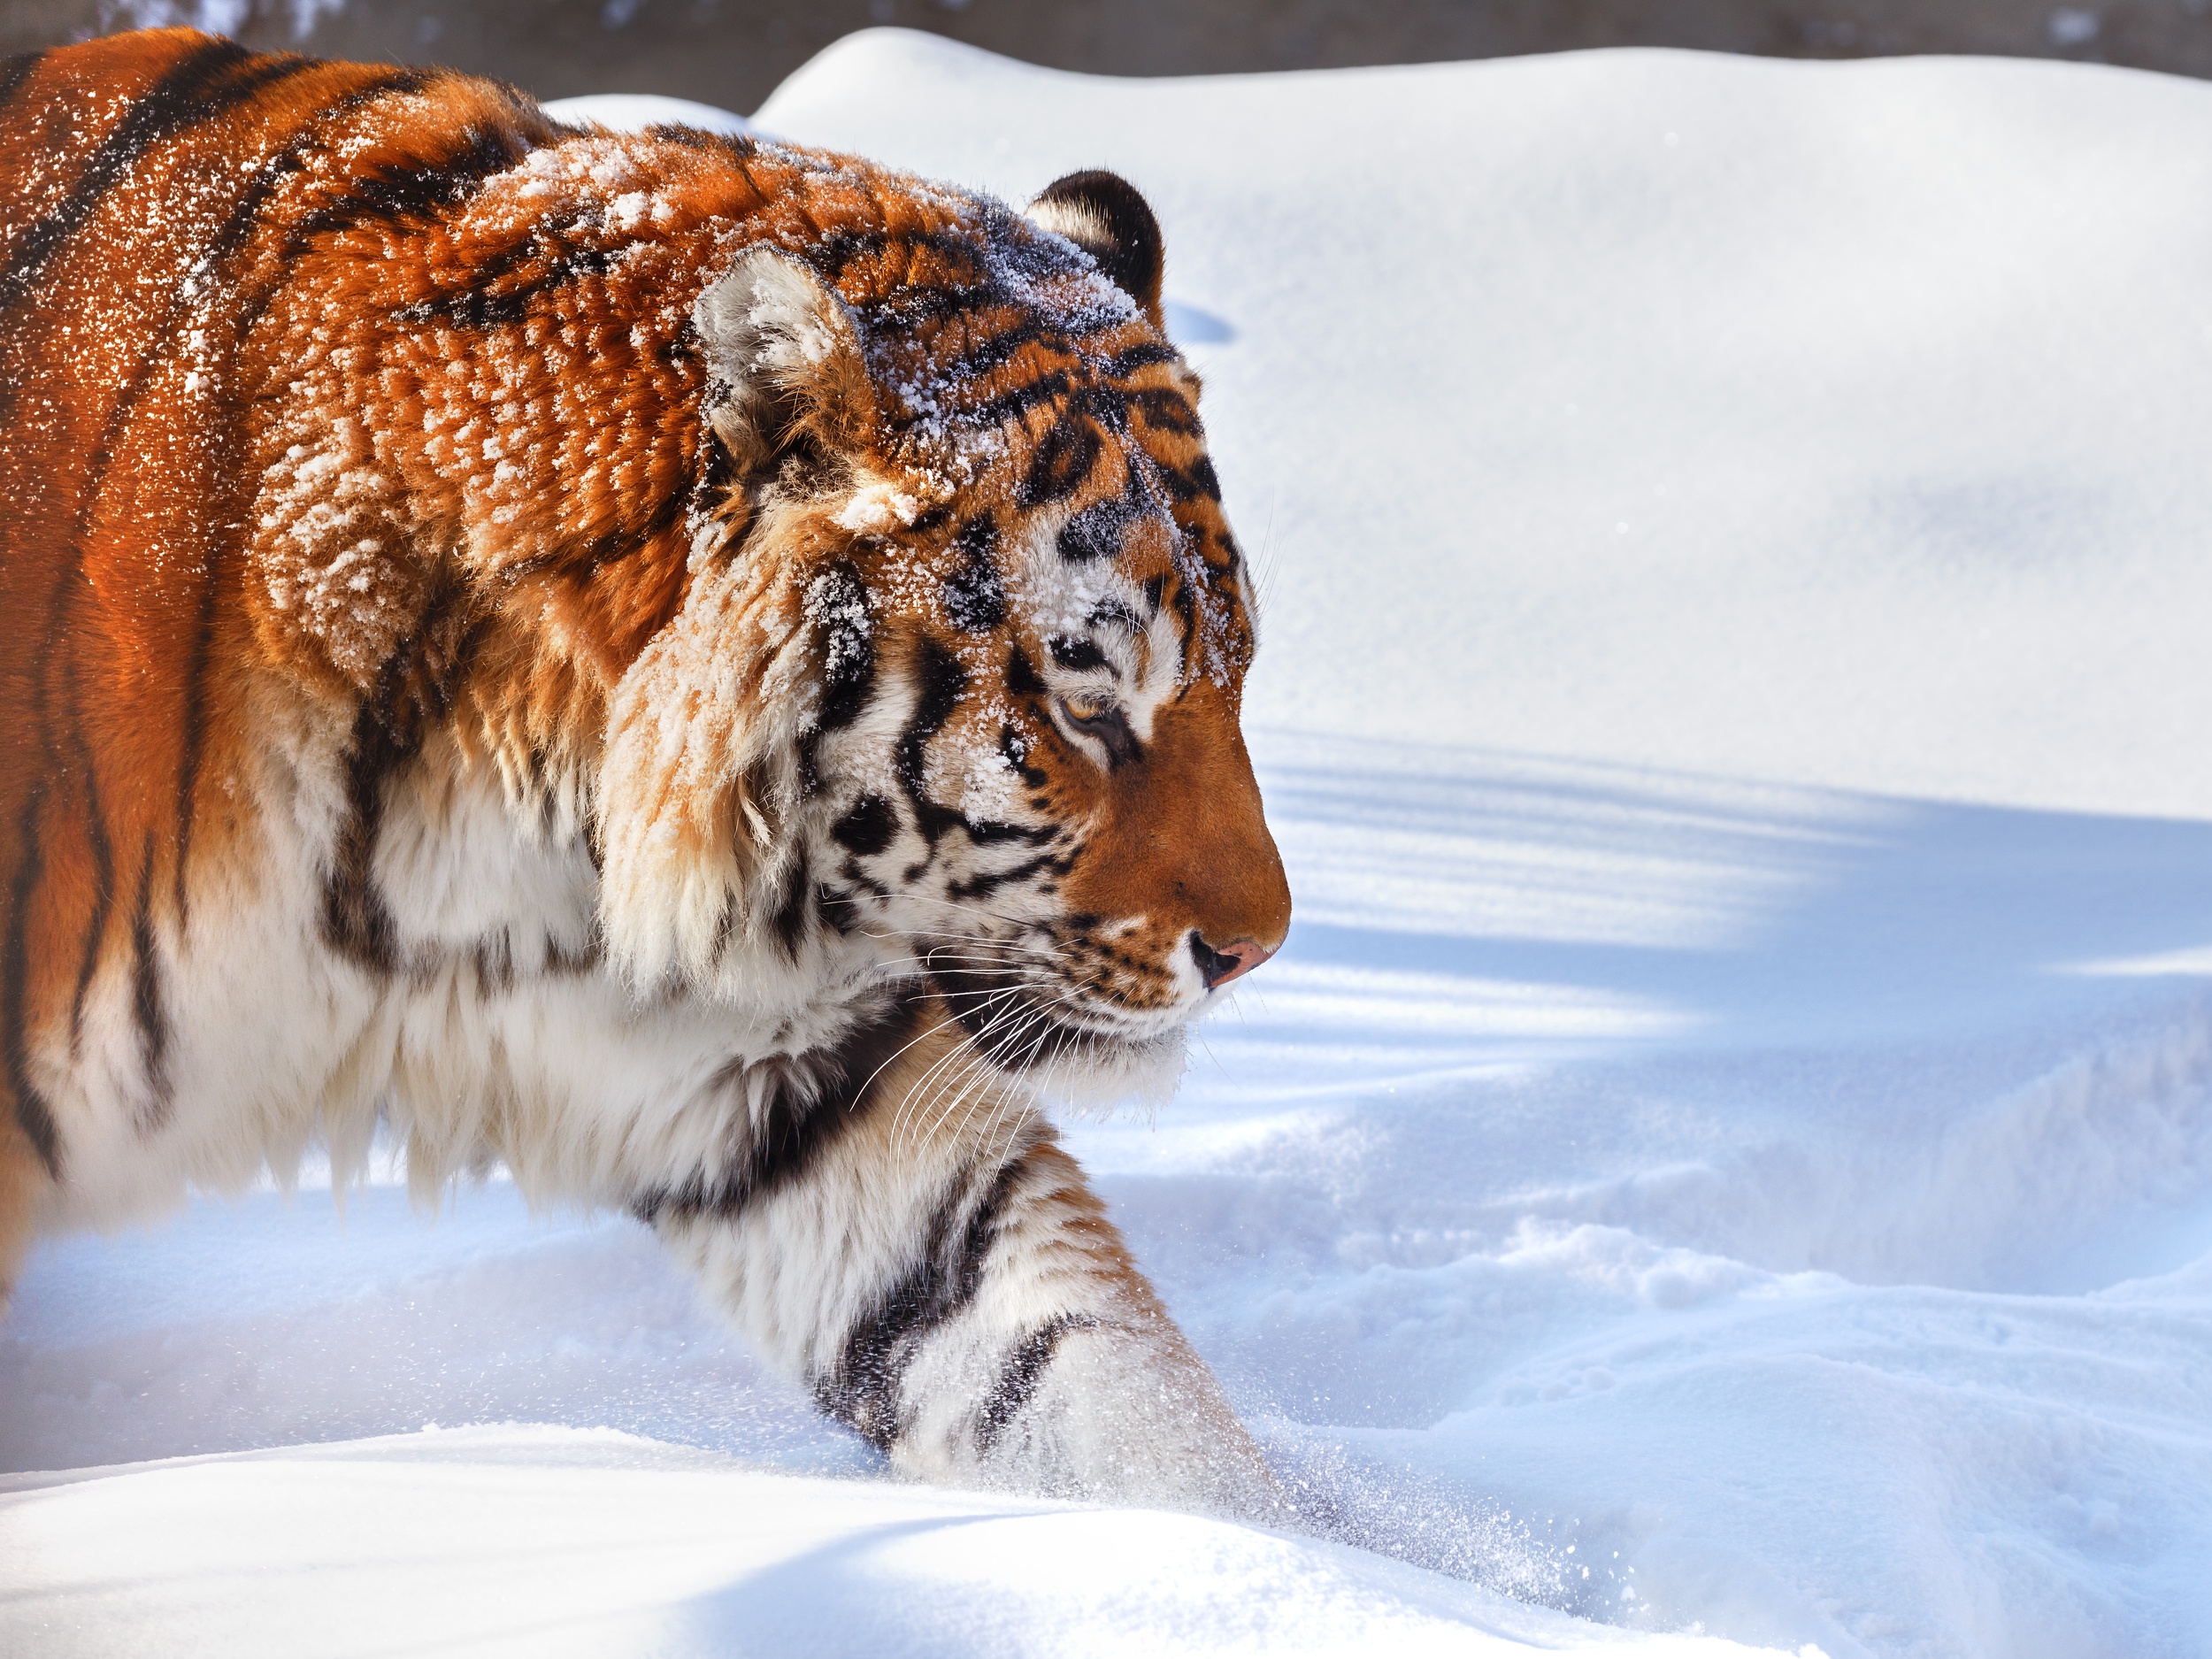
pixel 992 627
pixel 1032 779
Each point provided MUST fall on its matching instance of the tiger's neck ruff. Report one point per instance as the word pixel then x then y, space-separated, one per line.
pixel 703 671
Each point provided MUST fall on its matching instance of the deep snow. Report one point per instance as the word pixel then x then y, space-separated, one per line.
pixel 1730 1143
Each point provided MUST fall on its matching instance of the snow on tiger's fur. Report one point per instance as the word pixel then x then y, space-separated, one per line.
pixel 705 672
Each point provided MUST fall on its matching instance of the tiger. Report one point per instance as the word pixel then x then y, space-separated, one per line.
pixel 702 672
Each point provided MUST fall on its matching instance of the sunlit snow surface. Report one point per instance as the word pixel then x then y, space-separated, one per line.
pixel 1728 1146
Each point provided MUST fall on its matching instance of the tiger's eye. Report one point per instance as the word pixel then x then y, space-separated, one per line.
pixel 1098 716
pixel 1085 706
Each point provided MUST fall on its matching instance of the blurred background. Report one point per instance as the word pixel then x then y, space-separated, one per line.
pixel 732 52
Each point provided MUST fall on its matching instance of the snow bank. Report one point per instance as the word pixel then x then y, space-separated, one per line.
pixel 1728 1148
pixel 685 1553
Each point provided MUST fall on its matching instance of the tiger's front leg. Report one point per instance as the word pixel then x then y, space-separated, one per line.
pixel 943 1279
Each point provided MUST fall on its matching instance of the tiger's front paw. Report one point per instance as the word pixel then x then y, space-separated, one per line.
pixel 1079 1408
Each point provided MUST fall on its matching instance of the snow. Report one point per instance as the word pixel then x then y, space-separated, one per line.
pixel 497 1520
pixel 489 1522
pixel 634 112
pixel 1734 1118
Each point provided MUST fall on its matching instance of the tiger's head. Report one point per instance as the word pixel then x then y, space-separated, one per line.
pixel 954 690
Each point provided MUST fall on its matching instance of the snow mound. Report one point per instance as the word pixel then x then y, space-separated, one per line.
pixel 690 1554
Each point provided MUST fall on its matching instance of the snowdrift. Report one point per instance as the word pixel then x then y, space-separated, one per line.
pixel 1727 1155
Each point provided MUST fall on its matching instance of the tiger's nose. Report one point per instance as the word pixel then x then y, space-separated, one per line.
pixel 1232 960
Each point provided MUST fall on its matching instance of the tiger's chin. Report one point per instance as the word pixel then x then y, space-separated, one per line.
pixel 1102 1073
pixel 1086 1070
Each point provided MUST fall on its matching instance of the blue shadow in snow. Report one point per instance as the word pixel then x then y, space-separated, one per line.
pixel 1189 325
pixel 1805 916
pixel 827 1601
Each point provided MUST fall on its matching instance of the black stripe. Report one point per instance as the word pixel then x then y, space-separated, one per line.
pixel 146 1010
pixel 191 94
pixel 1018 1377
pixel 1136 357
pixel 1192 482
pixel 1076 656
pixel 863 1391
pixel 610 547
pixel 943 683
pixel 414 690
pixel 833 909
pixel 103 876
pixel 984 884
pixel 1021 675
pixel 979 355
pixel 1110 610
pixel 990 831
pixel 69 568
pixel 732 144
pixel 869 827
pixel 415 191
pixel 851 872
pixel 1015 747
pixel 31 1109
pixel 355 921
pixel 908 307
pixel 1170 412
pixel 250 310
pixel 811 1110
pixel 1098 531
pixel 1045 389
pixel 791 915
pixel 1065 458
pixel 559 959
pixel 974 597
pixel 14 72
pixel 1108 404
pixel 842 247
pixel 481 273
pixel 480 306
pixel 494 960
pixel 842 600
pixel 1186 606
pixel 193 739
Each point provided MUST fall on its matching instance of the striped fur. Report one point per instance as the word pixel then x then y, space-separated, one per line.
pixel 706 671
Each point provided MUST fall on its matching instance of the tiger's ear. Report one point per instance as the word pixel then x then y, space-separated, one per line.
pixel 784 361
pixel 1101 213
